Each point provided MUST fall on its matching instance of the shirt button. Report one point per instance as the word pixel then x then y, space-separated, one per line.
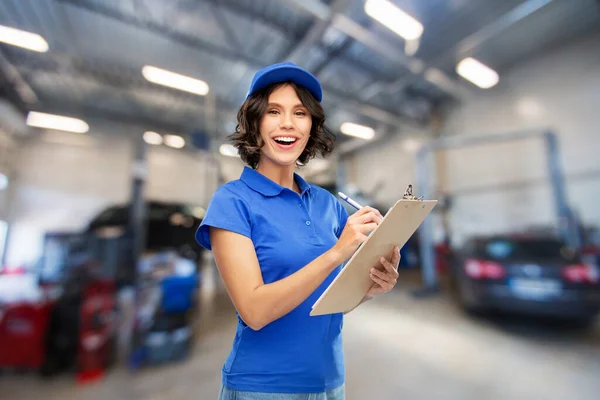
pixel 307 223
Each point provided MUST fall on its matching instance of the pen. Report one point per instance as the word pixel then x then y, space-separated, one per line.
pixel 348 200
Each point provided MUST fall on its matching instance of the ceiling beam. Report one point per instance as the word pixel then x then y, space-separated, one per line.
pixel 225 26
pixel 359 33
pixel 121 83
pixel 15 87
pixel 108 74
pixel 161 30
pixel 293 36
pixel 465 47
pixel 475 40
pixel 194 42
pixel 311 38
pixel 86 111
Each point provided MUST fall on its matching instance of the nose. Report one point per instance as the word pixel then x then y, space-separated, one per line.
pixel 286 121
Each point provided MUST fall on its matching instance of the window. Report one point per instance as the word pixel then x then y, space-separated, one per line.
pixel 525 249
pixel 117 215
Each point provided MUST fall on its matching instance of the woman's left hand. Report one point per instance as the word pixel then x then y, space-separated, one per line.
pixel 385 280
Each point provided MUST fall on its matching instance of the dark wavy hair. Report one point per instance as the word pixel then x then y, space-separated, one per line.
pixel 248 141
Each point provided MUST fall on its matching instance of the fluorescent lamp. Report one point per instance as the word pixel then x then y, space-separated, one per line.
pixel 56 122
pixel 174 80
pixel 394 19
pixel 3 181
pixel 477 73
pixel 228 150
pixel 152 138
pixel 174 141
pixel 359 131
pixel 26 40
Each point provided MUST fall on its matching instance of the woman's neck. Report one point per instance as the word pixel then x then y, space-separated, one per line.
pixel 282 175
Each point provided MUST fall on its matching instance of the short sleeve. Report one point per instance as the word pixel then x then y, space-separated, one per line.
pixel 342 215
pixel 226 210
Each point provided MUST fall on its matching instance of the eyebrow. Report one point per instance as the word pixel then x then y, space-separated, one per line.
pixel 280 106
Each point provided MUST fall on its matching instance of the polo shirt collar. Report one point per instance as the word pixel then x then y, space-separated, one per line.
pixel 263 185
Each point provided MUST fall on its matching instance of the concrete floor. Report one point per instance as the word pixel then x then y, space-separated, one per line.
pixel 396 348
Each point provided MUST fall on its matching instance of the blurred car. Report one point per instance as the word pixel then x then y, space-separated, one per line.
pixel 170 226
pixel 534 275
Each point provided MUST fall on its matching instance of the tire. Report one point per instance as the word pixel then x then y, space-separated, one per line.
pixel 469 306
pixel 50 367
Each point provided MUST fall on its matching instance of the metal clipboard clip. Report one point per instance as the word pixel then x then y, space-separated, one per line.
pixel 408 194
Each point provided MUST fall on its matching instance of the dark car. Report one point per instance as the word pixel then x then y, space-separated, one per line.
pixel 169 226
pixel 535 275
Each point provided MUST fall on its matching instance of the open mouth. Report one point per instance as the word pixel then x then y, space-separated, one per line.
pixel 285 142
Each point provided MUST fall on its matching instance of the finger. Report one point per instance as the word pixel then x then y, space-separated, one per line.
pixel 385 277
pixel 385 285
pixel 368 217
pixel 365 210
pixel 375 289
pixel 389 267
pixel 376 211
pixel 366 228
pixel 395 257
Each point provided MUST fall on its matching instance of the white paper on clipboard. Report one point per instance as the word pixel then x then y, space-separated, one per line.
pixel 353 282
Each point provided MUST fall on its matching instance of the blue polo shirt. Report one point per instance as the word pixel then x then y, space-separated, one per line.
pixel 296 353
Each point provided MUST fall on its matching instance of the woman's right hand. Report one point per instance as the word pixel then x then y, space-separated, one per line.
pixel 355 232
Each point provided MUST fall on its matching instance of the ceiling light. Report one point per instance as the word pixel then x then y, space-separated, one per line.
pixel 477 73
pixel 152 138
pixel 26 40
pixel 228 150
pixel 174 141
pixel 174 80
pixel 3 181
pixel 359 131
pixel 394 18
pixel 56 122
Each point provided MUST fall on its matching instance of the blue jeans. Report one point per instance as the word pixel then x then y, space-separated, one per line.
pixel 338 393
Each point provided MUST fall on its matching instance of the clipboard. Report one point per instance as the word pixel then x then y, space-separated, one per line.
pixel 354 281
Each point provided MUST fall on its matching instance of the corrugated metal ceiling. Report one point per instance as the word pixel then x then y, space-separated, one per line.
pixel 99 46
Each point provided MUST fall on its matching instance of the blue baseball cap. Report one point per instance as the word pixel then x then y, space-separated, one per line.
pixel 284 72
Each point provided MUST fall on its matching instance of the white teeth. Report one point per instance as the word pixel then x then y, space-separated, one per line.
pixel 285 139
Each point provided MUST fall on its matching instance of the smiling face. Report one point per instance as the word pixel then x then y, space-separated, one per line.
pixel 284 128
pixel 290 113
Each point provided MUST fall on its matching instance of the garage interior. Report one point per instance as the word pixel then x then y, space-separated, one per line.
pixel 114 125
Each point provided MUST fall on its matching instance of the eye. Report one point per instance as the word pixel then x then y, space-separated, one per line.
pixel 300 113
pixel 273 111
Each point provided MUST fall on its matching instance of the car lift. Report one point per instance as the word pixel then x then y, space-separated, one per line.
pixel 566 221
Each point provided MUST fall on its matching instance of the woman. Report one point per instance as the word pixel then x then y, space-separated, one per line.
pixel 278 242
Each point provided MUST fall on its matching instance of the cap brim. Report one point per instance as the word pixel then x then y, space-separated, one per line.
pixel 293 74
